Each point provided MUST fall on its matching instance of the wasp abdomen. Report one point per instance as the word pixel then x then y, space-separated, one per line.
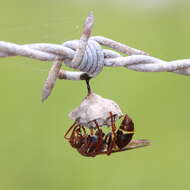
pixel 123 139
pixel 125 132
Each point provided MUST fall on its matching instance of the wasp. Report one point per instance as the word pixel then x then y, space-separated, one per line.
pixel 96 142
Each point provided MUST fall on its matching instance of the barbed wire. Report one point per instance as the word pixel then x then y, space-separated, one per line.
pixel 88 56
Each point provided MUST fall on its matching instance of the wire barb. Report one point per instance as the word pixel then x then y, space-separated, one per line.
pixel 52 77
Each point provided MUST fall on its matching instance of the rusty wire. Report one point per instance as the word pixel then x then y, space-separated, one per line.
pixel 88 56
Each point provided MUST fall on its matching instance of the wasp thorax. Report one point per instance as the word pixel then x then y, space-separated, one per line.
pixel 95 108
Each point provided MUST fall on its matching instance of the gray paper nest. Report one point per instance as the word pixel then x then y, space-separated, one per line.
pixel 95 107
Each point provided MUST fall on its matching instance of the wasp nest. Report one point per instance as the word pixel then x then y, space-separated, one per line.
pixel 95 108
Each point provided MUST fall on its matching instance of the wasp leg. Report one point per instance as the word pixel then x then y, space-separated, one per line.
pixel 72 126
pixel 109 142
pixel 110 138
pixel 76 138
pixel 100 135
pixel 113 124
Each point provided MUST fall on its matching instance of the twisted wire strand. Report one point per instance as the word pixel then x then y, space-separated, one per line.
pixel 88 56
pixel 53 52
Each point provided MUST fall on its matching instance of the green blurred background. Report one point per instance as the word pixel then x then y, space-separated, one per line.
pixel 33 152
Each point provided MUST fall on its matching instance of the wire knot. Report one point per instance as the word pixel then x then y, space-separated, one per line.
pixel 91 61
